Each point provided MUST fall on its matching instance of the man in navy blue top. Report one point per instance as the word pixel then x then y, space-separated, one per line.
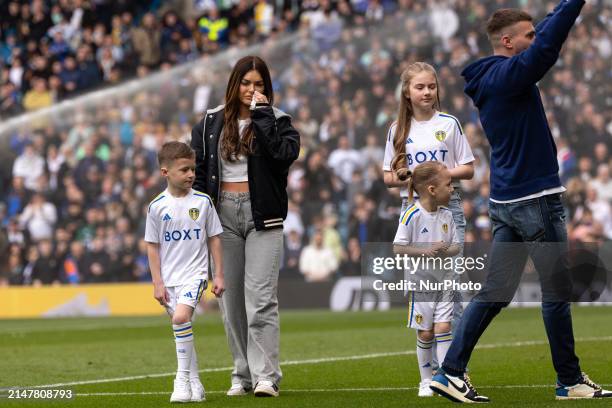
pixel 525 201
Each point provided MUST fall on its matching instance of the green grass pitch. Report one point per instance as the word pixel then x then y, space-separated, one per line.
pixel 362 359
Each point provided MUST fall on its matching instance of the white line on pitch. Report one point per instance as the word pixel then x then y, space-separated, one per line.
pixel 297 390
pixel 307 361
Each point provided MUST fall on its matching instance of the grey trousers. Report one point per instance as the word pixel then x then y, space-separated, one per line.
pixel 251 260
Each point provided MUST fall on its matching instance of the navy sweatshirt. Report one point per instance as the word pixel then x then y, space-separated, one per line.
pixel 523 152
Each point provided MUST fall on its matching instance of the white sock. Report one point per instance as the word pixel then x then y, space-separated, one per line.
pixel 443 342
pixel 183 336
pixel 193 367
pixel 424 355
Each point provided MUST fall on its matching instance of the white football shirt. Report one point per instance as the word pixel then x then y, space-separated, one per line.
pixel 181 227
pixel 440 138
pixel 421 228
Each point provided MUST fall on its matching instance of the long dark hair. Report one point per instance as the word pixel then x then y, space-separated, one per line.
pixel 231 143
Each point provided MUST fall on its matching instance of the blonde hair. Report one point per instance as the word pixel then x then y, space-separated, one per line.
pixel 404 116
pixel 425 174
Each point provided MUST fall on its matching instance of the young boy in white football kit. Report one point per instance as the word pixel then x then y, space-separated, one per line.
pixel 427 230
pixel 182 224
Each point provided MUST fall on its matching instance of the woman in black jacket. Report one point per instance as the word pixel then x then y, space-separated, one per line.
pixel 243 152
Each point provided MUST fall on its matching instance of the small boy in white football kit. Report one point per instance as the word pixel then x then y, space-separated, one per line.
pixel 182 224
pixel 427 230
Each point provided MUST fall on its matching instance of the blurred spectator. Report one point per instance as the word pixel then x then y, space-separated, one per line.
pixel 39 218
pixel 351 266
pixel 585 169
pixel 317 262
pixel 30 263
pixel 601 210
pixel 15 233
pixel 29 166
pixel 602 184
pixel 141 271
pixel 39 96
pixel 586 229
pixel 331 236
pixel 173 33
pixel 372 153
pixel 444 22
pixel 88 165
pixel 264 18
pixel 146 40
pixel 375 11
pixel 74 263
pixel 362 225
pixel 97 263
pixel 566 158
pixel 213 27
pixel 15 265
pixel 602 154
pixel 325 26
pixel 344 160
pixel 89 72
pixel 46 267
pixel 69 75
pixel 291 254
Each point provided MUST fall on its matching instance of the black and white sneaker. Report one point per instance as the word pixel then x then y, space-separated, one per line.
pixel 456 389
pixel 265 388
pixel 585 388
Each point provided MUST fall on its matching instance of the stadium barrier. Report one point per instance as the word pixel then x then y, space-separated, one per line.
pixel 129 299
pixel 136 299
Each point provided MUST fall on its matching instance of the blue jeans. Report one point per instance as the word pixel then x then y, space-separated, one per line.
pixel 540 224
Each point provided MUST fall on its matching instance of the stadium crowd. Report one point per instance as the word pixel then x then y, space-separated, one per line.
pixel 55 49
pixel 75 196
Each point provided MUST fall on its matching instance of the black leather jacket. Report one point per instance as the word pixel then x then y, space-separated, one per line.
pixel 276 146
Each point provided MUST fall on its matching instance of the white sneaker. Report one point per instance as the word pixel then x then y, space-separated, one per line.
pixel 424 390
pixel 266 388
pixel 584 389
pixel 236 390
pixel 197 390
pixel 182 391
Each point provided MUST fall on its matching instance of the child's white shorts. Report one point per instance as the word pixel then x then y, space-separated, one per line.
pixel 427 308
pixel 188 294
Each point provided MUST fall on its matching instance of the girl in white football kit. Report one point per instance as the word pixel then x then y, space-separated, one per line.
pixel 182 224
pixel 427 230
pixel 423 133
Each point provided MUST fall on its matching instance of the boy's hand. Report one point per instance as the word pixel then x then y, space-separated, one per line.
pixel 441 248
pixel 430 252
pixel 435 250
pixel 160 294
pixel 218 285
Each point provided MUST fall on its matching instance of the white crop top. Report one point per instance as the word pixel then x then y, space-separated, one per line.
pixel 236 171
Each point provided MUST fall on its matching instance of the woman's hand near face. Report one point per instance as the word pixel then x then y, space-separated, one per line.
pixel 259 97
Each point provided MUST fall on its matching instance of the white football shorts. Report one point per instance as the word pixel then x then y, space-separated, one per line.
pixel 188 294
pixel 427 308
